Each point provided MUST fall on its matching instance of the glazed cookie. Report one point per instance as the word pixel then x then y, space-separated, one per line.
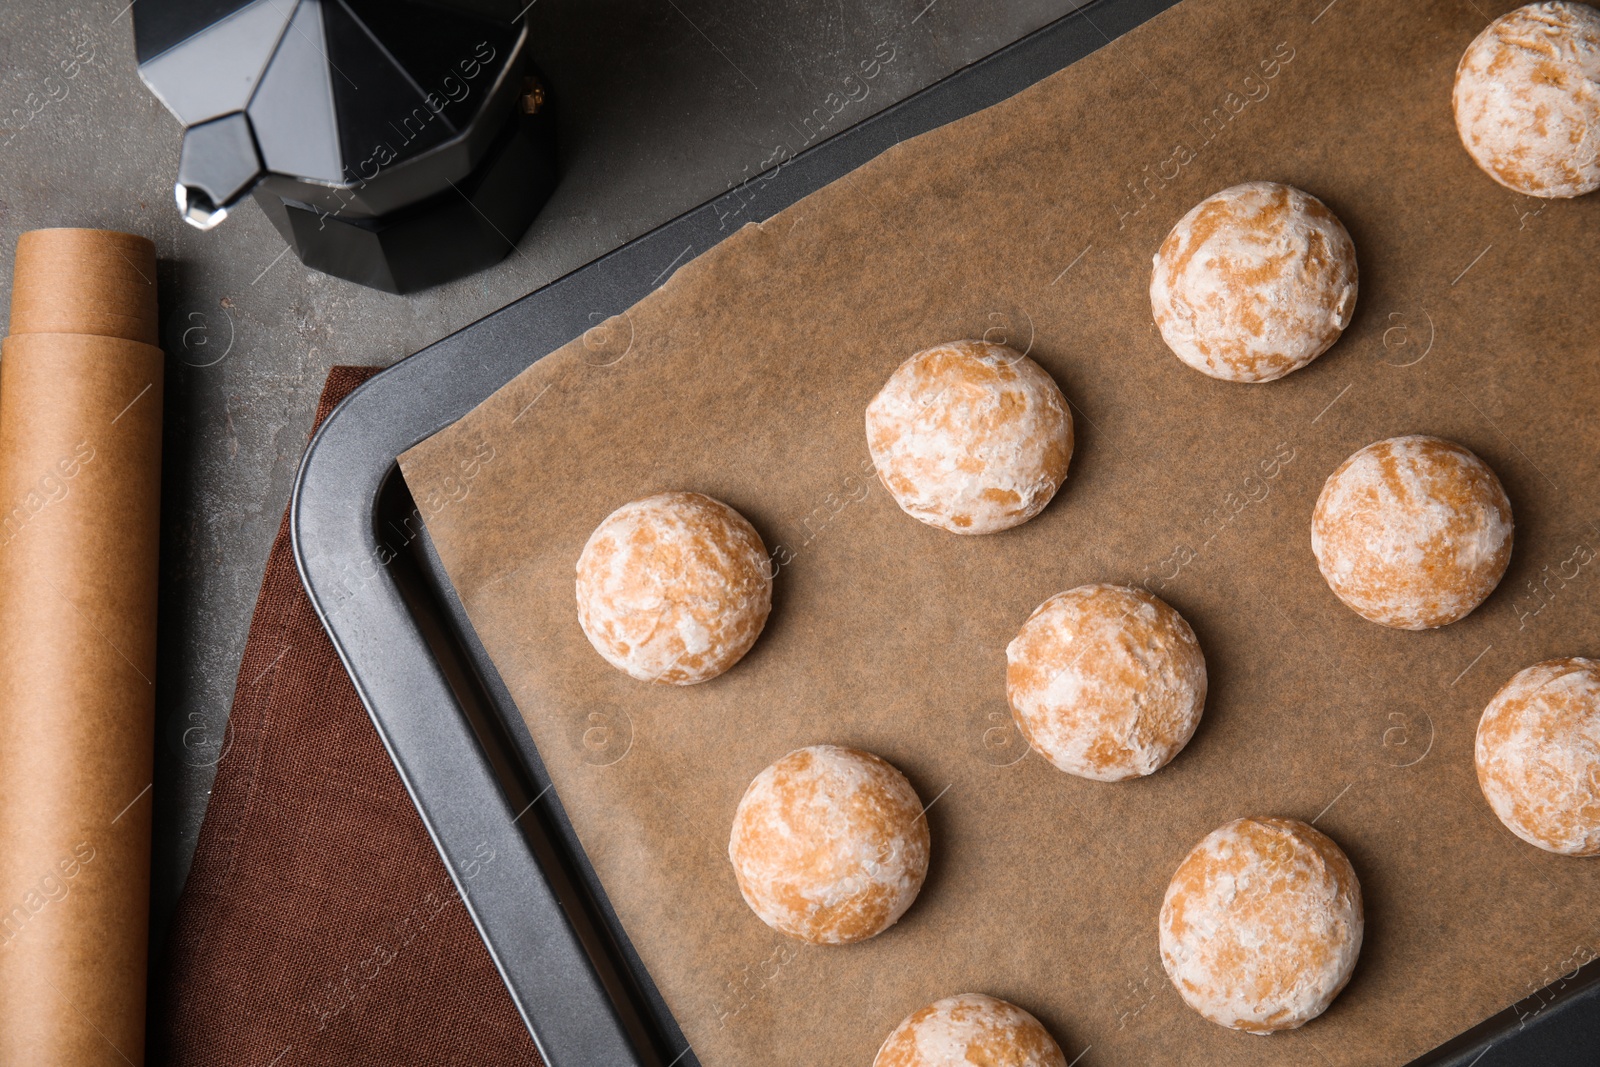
pixel 1106 682
pixel 1538 755
pixel 1254 282
pixel 970 1029
pixel 1412 532
pixel 1261 925
pixel 970 437
pixel 674 588
pixel 1527 99
pixel 829 845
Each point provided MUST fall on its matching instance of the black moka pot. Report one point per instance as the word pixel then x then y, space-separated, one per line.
pixel 395 143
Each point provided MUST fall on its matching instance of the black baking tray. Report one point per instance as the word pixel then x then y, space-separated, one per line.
pixel 443 713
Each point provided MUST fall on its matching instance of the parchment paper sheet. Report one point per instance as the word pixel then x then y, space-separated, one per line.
pixel 746 377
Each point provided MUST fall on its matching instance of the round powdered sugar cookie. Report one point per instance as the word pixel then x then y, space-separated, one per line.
pixel 1538 755
pixel 970 437
pixel 674 588
pixel 967 1030
pixel 1412 532
pixel 1527 99
pixel 829 845
pixel 1261 925
pixel 1254 282
pixel 1106 682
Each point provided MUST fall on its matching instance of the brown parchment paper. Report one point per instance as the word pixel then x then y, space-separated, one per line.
pixel 80 489
pixel 746 376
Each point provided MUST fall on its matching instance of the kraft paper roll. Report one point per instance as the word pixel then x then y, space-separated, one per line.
pixel 80 451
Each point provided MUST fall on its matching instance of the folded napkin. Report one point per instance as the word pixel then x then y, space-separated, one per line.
pixel 318 925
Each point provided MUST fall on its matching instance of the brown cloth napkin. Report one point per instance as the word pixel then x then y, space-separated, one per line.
pixel 318 925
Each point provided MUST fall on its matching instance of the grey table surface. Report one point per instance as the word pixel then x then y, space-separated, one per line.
pixel 662 105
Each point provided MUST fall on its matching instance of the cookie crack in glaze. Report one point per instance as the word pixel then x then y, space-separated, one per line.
pixel 673 588
pixel 1254 282
pixel 1412 532
pixel 1106 682
pixel 829 845
pixel 970 437
pixel 1261 925
pixel 1527 99
pixel 1538 755
pixel 970 1030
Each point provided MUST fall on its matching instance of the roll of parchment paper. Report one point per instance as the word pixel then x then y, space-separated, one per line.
pixel 80 471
